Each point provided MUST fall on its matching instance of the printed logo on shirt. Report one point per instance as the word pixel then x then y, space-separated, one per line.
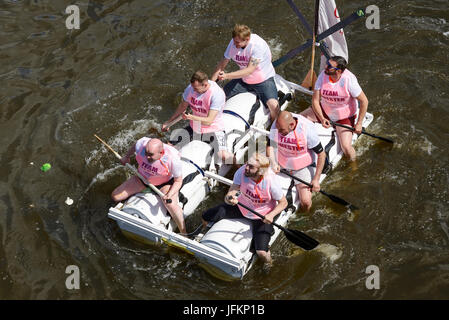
pixel 196 105
pixel 331 96
pixel 289 143
pixel 196 102
pixel 241 60
pixel 253 197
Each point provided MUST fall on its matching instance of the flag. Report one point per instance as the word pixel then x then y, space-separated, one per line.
pixel 335 43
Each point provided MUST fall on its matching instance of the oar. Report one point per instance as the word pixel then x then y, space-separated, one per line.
pixel 134 170
pixel 330 196
pixel 363 131
pixel 343 23
pixel 297 237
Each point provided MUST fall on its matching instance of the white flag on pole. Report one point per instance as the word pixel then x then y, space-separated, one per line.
pixel 336 42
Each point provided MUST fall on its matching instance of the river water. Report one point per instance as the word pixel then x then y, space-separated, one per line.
pixel 124 71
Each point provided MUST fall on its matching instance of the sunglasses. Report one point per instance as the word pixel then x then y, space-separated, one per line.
pixel 148 154
pixel 251 166
pixel 329 66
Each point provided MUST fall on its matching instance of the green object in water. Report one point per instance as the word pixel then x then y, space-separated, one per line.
pixel 45 167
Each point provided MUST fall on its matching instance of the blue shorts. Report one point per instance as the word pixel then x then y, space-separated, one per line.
pixel 265 90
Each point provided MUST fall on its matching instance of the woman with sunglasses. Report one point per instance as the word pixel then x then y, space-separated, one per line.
pixel 335 98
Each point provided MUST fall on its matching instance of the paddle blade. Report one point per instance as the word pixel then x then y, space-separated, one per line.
pixel 300 239
pixel 307 83
pixel 155 131
pixel 340 201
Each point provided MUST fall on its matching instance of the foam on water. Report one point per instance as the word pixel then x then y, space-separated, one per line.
pixel 123 140
pixel 276 48
pixel 331 252
pixel 101 176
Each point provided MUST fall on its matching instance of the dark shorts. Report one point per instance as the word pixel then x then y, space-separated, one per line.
pixel 348 121
pixel 186 135
pixel 265 90
pixel 261 231
pixel 169 182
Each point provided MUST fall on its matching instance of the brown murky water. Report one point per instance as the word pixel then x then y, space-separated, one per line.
pixel 124 72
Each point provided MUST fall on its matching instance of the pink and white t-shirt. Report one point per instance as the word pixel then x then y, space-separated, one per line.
pixel 353 85
pixel 162 170
pixel 338 99
pixel 256 48
pixel 213 99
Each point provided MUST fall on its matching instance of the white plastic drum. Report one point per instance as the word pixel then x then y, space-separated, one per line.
pixel 230 236
pixel 147 206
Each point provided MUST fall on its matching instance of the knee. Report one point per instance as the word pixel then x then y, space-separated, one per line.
pixel 262 254
pixel 348 150
pixel 116 197
pixel 306 204
pixel 273 103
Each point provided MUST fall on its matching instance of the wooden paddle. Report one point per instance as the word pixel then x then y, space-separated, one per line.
pixel 134 170
pixel 311 77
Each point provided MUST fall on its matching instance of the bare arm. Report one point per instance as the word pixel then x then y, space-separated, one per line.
pixel 252 65
pixel 125 159
pixel 204 120
pixel 232 193
pixel 220 68
pixel 317 109
pixel 181 108
pixel 281 205
pixel 363 102
pixel 319 169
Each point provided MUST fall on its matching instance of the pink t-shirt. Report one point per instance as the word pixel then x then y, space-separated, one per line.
pixel 353 85
pixel 213 99
pixel 256 48
pixel 162 170
pixel 338 99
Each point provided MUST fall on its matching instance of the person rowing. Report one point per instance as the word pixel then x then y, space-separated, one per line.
pixel 291 145
pixel 256 186
pixel 207 100
pixel 161 165
pixel 335 98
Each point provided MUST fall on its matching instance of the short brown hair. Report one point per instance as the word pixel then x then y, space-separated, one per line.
pixel 242 31
pixel 199 76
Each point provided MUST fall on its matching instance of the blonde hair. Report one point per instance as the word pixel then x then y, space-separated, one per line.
pixel 242 31
pixel 263 161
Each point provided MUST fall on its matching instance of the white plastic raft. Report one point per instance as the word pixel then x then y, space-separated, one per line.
pixel 240 111
pixel 225 250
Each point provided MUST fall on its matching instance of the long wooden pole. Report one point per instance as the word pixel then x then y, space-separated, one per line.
pixel 315 31
pixel 134 170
